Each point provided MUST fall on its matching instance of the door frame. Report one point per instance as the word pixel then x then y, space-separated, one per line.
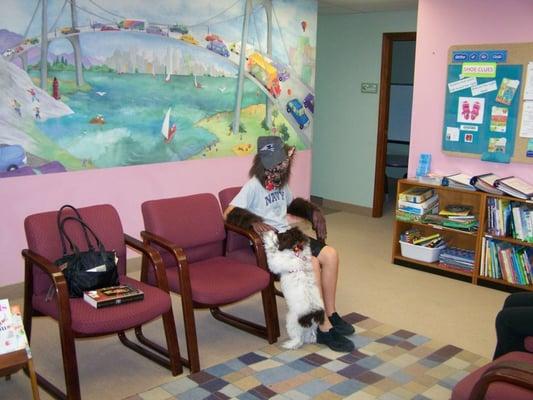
pixel 383 116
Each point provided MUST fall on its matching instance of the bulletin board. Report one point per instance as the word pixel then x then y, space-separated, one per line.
pixel 489 102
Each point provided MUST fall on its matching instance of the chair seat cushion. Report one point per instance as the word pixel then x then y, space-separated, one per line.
pixel 497 390
pixel 87 320
pixel 221 280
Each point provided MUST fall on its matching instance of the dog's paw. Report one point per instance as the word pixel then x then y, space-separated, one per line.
pixel 310 335
pixel 292 344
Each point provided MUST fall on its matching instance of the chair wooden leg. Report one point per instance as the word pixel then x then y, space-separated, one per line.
pixel 239 323
pixel 70 364
pixel 271 313
pixel 193 361
pixel 172 351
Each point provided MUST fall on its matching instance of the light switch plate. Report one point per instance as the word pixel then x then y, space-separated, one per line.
pixel 368 87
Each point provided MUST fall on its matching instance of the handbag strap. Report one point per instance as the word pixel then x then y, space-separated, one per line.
pixel 62 233
pixel 86 228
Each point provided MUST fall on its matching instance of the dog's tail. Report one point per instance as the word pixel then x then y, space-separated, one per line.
pixel 313 316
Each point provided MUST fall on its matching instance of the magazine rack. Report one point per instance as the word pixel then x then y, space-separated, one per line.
pixel 15 361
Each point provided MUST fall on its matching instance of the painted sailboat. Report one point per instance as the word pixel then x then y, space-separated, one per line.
pixel 166 130
pixel 169 66
pixel 197 84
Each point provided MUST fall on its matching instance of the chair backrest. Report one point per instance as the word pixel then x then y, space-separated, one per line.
pixel 235 241
pixel 42 236
pixel 193 222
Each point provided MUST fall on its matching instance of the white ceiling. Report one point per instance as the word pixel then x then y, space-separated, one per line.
pixel 326 7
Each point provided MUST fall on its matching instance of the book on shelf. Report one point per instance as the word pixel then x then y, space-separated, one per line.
pixel 425 207
pixel 515 187
pixel 431 179
pixel 485 183
pixel 112 295
pixel 456 210
pixel 416 194
pixel 458 181
pixel 510 218
pixel 12 334
pixel 512 263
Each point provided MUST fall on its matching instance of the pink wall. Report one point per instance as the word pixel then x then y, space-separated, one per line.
pixel 125 188
pixel 441 24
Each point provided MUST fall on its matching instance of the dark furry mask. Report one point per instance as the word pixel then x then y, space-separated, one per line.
pixel 275 177
pixel 293 239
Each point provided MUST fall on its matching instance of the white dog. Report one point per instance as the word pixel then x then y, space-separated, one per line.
pixel 289 255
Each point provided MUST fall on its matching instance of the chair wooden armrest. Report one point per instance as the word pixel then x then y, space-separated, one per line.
pixel 60 283
pixel 517 373
pixel 155 260
pixel 178 254
pixel 31 258
pixel 257 243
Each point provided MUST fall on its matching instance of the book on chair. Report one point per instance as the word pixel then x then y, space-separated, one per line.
pixel 112 295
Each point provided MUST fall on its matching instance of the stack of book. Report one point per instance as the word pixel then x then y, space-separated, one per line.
pixel 510 218
pixel 501 260
pixel 456 216
pixel 414 236
pixel 416 202
pixel 457 259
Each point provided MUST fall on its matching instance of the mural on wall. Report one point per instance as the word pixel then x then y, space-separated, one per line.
pixel 95 84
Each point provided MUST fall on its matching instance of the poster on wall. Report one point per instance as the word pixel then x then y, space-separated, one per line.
pixel 95 84
pixel 482 103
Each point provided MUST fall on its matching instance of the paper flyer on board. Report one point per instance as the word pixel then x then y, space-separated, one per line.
pixel 526 123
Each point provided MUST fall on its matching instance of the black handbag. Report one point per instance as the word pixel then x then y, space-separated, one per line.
pixel 85 270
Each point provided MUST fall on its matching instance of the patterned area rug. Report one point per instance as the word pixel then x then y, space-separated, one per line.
pixel 388 363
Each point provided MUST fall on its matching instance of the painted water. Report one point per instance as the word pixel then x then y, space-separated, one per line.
pixel 133 107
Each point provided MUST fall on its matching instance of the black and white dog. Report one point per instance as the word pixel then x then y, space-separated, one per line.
pixel 289 255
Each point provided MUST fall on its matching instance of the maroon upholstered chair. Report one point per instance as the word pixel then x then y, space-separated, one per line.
pixel 508 377
pixel 238 246
pixel 190 233
pixel 75 317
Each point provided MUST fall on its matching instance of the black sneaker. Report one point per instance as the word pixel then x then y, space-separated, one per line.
pixel 334 340
pixel 340 325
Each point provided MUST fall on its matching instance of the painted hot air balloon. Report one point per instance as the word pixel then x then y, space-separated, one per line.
pixel 304 25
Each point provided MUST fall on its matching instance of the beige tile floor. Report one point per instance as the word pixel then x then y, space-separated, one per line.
pixel 444 309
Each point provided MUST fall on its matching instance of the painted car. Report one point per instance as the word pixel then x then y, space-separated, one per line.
pixel 156 30
pixel 212 37
pixel 296 109
pixel 12 156
pixel 8 52
pixel 283 71
pixel 109 28
pixel 235 47
pixel 189 39
pixel 218 47
pixel 97 25
pixel 48 168
pixel 309 102
pixel 179 28
pixel 68 30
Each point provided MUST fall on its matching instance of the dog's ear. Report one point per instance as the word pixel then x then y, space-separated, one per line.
pixel 290 238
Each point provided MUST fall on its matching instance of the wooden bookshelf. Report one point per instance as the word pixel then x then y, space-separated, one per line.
pixel 456 237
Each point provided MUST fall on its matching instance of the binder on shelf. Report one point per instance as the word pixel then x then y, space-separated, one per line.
pixel 515 187
pixel 485 183
pixel 458 181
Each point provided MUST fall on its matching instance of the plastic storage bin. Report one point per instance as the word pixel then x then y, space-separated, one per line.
pixel 420 253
